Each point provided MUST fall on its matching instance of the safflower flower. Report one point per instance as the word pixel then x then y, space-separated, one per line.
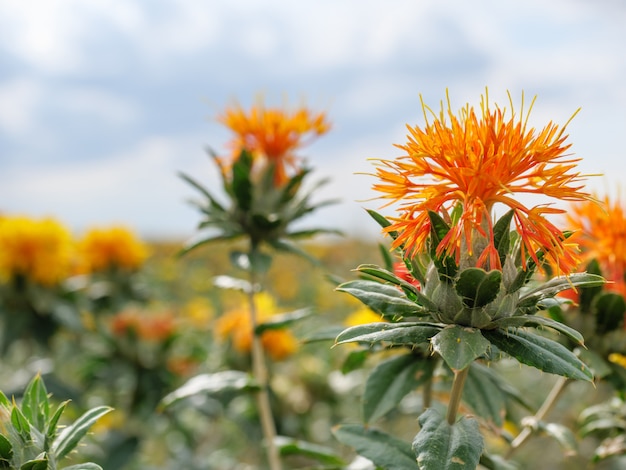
pixel 600 231
pixel 236 325
pixel 40 250
pixel 114 247
pixel 479 160
pixel 272 135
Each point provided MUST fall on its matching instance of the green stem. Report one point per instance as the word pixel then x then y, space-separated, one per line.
pixel 455 394
pixel 427 394
pixel 260 373
pixel 541 413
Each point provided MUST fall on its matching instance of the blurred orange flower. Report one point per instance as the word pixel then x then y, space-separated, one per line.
pixel 148 326
pixel 236 325
pixel 479 160
pixel 272 135
pixel 601 235
pixel 40 250
pixel 114 247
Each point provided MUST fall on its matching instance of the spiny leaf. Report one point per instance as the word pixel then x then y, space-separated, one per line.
pixel 540 352
pixel 391 333
pixel 459 346
pixel 384 299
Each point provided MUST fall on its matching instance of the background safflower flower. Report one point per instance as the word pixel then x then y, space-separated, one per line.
pixel 479 160
pixel 114 247
pixel 40 250
pixel 236 325
pixel 272 135
pixel 600 231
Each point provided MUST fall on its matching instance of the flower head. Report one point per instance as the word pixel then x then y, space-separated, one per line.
pixel 272 135
pixel 478 160
pixel 236 324
pixel 154 327
pixel 601 235
pixel 115 247
pixel 40 250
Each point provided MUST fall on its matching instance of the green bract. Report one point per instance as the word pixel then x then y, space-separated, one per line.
pixel 257 208
pixel 463 315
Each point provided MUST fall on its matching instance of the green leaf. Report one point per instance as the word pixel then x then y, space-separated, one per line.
pixel 540 352
pixel 392 333
pixel 382 221
pixel 37 464
pixel 84 466
pixel 557 284
pixel 383 299
pixel 446 265
pixel 587 294
pixel 289 446
pixel 216 206
pixel 609 308
pixel 212 384
pixel 392 380
pixel 412 291
pixel 355 360
pixel 6 450
pixel 387 259
pixel 496 462
pixel 283 320
pixel 441 446
pixel 459 346
pixel 69 437
pixel 478 287
pixel 20 423
pixel 51 430
pixel 208 239
pixel 501 236
pixel 35 404
pixel 241 183
pixel 536 321
pixel 384 450
pixel 286 246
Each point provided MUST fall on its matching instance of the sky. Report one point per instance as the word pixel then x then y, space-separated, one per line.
pixel 103 102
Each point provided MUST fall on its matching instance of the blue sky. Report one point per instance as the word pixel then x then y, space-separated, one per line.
pixel 103 102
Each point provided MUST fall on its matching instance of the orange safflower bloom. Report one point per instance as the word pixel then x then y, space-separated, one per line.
pixel 153 327
pixel 478 161
pixel 272 135
pixel 601 235
pixel 112 247
pixel 237 325
pixel 40 250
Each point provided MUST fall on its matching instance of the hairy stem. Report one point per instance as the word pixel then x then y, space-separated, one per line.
pixel 541 413
pixel 455 394
pixel 260 373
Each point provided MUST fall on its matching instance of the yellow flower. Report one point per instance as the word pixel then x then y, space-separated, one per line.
pixel 272 135
pixel 362 316
pixel 237 325
pixel 112 247
pixel 40 250
pixel 601 235
pixel 198 311
pixel 478 161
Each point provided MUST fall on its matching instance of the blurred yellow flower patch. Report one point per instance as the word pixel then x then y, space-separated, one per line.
pixel 40 250
pixel 236 325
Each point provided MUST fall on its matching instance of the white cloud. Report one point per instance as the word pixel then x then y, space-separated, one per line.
pixel 113 109
pixel 19 102
pixel 138 187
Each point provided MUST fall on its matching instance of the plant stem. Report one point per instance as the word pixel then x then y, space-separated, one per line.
pixel 541 413
pixel 455 394
pixel 260 373
pixel 427 394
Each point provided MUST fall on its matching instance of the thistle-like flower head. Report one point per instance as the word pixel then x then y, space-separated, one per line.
pixel 473 161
